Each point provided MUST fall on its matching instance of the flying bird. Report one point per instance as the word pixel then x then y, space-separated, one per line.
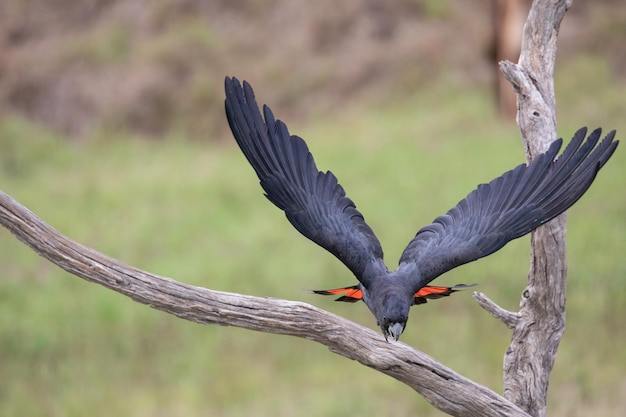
pixel 508 207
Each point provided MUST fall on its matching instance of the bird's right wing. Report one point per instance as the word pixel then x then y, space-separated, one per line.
pixel 313 201
pixel 509 207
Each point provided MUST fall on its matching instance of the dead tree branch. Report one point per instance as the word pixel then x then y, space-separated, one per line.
pixel 442 387
pixel 539 325
pixel 509 318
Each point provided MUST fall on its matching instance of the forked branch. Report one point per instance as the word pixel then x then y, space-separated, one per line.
pixel 539 325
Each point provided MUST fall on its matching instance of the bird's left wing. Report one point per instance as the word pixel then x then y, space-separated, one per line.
pixel 313 201
pixel 509 207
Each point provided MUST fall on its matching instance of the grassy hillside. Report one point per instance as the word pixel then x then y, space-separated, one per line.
pixel 194 211
pixel 85 68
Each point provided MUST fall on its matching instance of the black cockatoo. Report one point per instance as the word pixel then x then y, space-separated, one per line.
pixel 506 208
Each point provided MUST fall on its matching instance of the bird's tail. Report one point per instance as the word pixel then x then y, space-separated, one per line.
pixel 354 293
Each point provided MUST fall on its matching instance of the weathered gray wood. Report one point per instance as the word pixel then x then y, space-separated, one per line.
pixel 509 318
pixel 442 387
pixel 540 322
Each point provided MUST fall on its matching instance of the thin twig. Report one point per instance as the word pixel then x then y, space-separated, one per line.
pixel 509 318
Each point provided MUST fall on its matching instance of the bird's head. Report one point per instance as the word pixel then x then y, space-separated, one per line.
pixel 390 301
pixel 393 326
pixel 393 315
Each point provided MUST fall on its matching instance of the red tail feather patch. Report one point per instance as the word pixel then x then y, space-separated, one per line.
pixel 350 294
pixel 353 294
pixel 434 292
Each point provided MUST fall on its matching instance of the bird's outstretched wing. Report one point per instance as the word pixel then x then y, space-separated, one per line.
pixel 313 201
pixel 354 293
pixel 510 206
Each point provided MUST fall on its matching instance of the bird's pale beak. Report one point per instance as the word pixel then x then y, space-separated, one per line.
pixel 395 330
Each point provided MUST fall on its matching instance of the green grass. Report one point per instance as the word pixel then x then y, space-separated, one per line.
pixel 195 212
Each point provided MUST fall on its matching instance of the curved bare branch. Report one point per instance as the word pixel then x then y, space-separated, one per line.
pixel 509 318
pixel 444 388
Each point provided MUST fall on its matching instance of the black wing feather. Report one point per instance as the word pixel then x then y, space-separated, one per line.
pixel 313 201
pixel 510 206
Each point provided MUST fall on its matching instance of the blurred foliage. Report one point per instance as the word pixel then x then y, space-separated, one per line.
pixel 154 69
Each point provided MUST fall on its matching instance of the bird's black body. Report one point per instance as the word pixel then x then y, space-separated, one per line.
pixel 508 207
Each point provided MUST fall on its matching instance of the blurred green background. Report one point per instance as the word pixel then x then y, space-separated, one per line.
pixel 112 130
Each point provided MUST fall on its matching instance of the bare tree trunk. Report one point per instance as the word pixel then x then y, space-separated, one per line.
pixel 540 322
pixel 537 327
